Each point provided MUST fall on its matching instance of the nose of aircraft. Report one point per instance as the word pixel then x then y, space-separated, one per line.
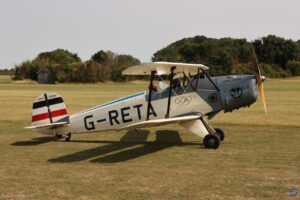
pixel 238 91
pixel 253 88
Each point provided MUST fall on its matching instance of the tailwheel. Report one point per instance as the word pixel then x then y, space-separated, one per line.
pixel 68 137
pixel 220 134
pixel 211 141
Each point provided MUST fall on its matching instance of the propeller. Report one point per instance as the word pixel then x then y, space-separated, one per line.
pixel 259 80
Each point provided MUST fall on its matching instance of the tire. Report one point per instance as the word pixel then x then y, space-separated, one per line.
pixel 220 134
pixel 211 141
pixel 68 137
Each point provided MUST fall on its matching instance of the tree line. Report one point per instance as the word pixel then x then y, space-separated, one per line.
pixel 278 57
pixel 68 67
pixel 6 71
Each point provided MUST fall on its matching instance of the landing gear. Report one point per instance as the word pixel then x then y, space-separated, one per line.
pixel 211 141
pixel 68 137
pixel 220 134
pixel 214 137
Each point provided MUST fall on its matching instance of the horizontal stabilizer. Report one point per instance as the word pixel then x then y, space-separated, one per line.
pixel 159 122
pixel 50 126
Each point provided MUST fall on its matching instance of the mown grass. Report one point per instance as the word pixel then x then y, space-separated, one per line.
pixel 5 79
pixel 259 158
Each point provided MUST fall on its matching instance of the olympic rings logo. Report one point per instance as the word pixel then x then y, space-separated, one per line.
pixel 183 100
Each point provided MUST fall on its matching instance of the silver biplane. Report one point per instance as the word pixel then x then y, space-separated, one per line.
pixel 190 98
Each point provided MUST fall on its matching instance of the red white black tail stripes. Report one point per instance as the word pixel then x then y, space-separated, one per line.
pixel 49 108
pixel 54 114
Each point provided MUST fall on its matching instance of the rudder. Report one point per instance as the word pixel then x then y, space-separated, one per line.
pixel 49 108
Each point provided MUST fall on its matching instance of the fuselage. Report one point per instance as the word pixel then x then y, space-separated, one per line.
pixel 197 97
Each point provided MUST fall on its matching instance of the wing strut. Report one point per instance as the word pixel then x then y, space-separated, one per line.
pixel 190 82
pixel 208 76
pixel 170 91
pixel 150 93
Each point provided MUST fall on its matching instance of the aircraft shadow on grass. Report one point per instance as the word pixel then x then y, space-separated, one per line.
pixel 129 147
pixel 34 141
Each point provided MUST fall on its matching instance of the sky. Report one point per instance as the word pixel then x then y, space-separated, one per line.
pixel 135 27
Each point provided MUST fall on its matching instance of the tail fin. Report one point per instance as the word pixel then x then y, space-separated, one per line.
pixel 49 108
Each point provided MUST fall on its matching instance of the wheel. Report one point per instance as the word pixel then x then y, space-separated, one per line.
pixel 68 137
pixel 220 134
pixel 211 141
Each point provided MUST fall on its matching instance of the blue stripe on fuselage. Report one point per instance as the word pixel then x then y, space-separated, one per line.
pixel 115 101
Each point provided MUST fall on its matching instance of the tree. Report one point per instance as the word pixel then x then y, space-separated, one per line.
pixel 60 74
pixel 94 70
pixel 22 71
pixel 100 57
pixel 120 63
pixel 276 50
pixel 227 55
pixel 218 54
pixel 294 67
pixel 58 56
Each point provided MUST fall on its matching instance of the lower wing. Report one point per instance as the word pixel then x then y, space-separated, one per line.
pixel 160 122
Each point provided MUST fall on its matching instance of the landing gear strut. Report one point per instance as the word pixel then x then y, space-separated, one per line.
pixel 214 137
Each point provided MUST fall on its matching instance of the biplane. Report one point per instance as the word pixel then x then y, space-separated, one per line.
pixel 190 98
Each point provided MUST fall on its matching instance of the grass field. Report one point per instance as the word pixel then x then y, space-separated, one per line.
pixel 259 158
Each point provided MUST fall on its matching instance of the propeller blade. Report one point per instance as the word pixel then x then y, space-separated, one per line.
pixel 262 95
pixel 259 81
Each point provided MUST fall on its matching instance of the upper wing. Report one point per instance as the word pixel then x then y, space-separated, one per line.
pixel 159 122
pixel 164 68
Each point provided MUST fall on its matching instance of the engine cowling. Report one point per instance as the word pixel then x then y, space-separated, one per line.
pixel 237 91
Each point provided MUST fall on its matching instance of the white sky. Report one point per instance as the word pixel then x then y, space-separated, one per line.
pixel 136 27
